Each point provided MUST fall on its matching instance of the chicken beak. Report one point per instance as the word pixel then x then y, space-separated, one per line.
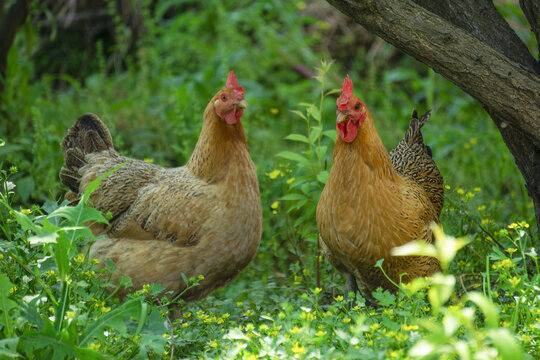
pixel 341 117
pixel 242 104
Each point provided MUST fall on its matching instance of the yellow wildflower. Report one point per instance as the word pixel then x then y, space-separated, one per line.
pixel 295 330
pixel 320 333
pixel 482 208
pixel 26 211
pixel 407 327
pixel 275 173
pixel 297 349
pixel 511 250
pixel 79 258
pixel 460 191
pixel 290 180
pixel 213 343
pixel 514 281
pixel 149 160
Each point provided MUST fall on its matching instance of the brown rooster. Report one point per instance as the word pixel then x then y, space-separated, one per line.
pixel 204 218
pixel 374 201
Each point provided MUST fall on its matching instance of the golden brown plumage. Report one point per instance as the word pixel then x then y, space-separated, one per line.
pixel 204 218
pixel 374 201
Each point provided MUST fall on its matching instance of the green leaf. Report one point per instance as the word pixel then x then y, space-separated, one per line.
pixel 25 222
pixel 289 155
pixel 442 287
pixel 506 344
pixel 314 134
pixel 80 214
pixel 113 319
pixel 417 247
pixel 293 196
pixel 8 348
pixel 489 310
pixel 6 304
pixel 331 134
pixel 61 256
pixel 44 238
pixel 314 112
pixel 297 137
pixel 322 176
pixel 299 113
pixel 94 184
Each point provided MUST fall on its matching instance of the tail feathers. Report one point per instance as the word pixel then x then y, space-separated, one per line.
pixel 414 135
pixel 88 135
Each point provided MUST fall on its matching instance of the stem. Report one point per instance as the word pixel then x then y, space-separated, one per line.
pixel 38 279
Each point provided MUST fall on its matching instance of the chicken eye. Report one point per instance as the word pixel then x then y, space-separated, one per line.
pixel 223 97
pixel 357 106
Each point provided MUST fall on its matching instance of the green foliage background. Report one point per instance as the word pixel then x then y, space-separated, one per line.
pixel 152 97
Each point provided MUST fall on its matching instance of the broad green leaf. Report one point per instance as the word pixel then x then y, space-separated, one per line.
pixel 331 134
pixel 417 247
pixel 79 214
pixel 61 256
pixel 8 348
pixel 314 112
pixel 322 176
pixel 442 287
pixel 489 310
pixel 25 222
pixel 506 344
pixel 297 137
pixel 314 134
pixel 289 155
pixel 44 238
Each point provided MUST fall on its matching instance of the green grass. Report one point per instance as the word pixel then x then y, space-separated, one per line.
pixel 288 302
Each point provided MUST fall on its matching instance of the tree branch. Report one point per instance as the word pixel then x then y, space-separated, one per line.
pixel 531 9
pixel 482 20
pixel 506 89
pixel 11 23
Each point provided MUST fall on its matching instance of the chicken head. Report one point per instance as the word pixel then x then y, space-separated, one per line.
pixel 351 112
pixel 230 103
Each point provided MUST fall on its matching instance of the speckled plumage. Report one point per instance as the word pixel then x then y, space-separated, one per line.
pixel 374 201
pixel 204 218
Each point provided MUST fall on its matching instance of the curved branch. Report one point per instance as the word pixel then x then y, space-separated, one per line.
pixel 531 9
pixel 482 20
pixel 504 87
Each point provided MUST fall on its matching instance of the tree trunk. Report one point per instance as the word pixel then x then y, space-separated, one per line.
pixel 10 24
pixel 469 43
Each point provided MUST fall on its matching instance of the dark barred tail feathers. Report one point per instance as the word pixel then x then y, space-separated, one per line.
pixel 413 134
pixel 88 135
pixel 413 159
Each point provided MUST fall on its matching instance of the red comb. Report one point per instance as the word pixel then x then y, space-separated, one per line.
pixel 232 83
pixel 347 93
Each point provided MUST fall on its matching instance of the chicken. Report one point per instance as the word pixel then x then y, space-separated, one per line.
pixel 204 218
pixel 374 201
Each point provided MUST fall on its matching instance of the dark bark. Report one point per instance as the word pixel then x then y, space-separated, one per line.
pixel 531 9
pixel 11 22
pixel 469 43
